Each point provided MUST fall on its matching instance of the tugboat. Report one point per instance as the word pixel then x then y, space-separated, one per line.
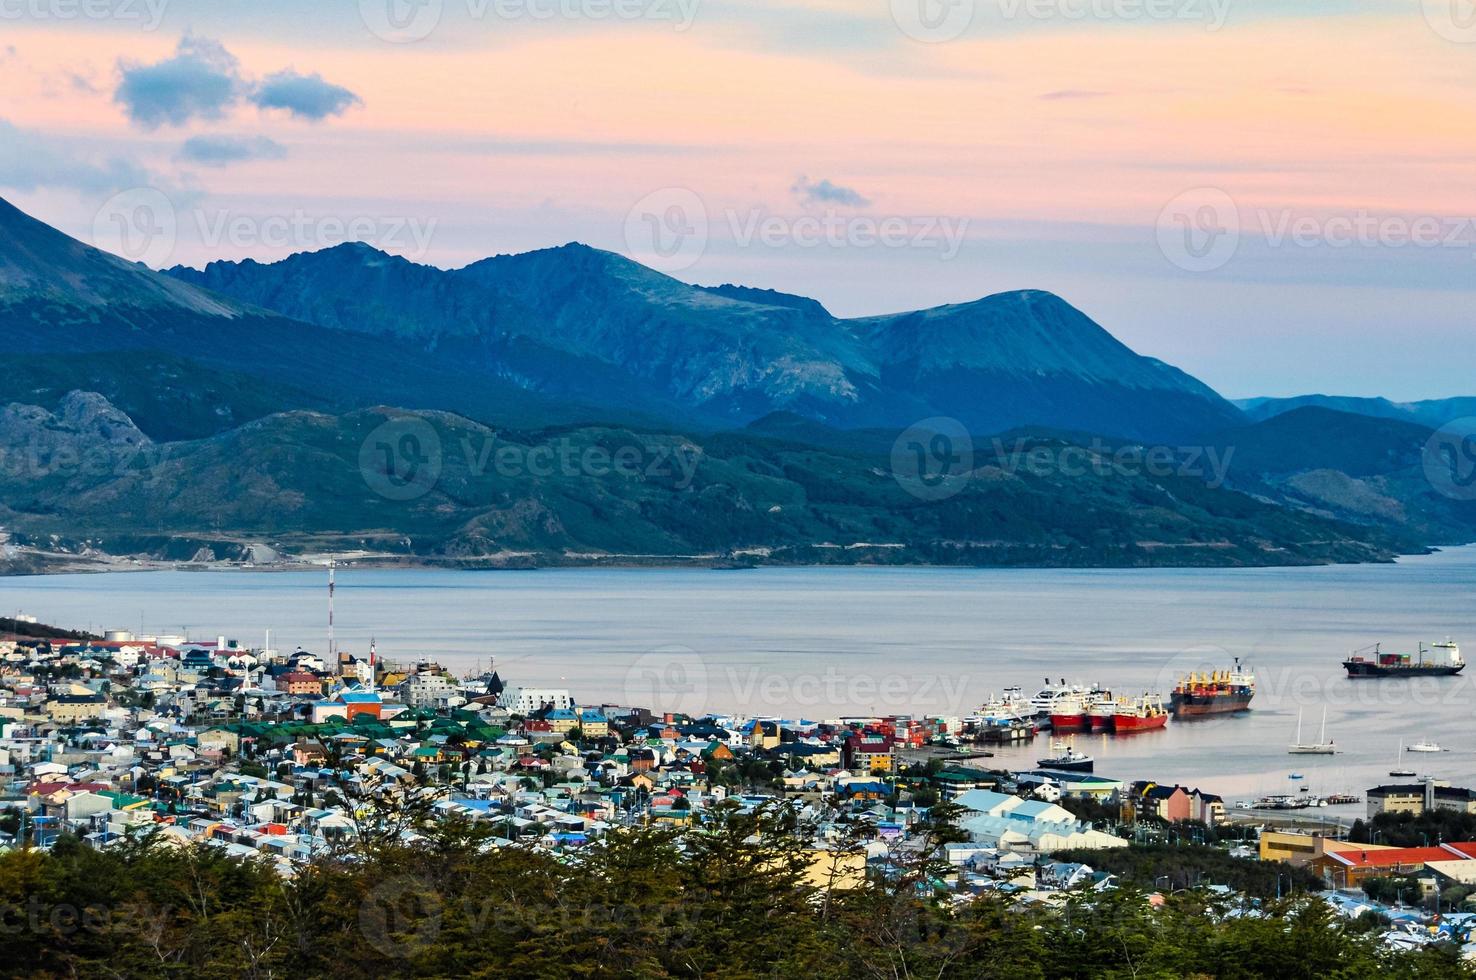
pixel 1143 715
pixel 1382 664
pixel 1066 758
pixel 1214 693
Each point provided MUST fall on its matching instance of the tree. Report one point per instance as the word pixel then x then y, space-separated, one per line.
pixel 1393 889
pixel 381 811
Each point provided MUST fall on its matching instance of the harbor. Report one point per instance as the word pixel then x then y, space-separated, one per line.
pixel 818 643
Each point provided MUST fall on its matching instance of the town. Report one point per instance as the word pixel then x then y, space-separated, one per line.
pixel 290 757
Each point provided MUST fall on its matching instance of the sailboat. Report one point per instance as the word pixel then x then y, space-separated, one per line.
pixel 1399 760
pixel 1320 747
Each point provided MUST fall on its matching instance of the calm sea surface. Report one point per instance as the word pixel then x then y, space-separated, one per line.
pixel 822 643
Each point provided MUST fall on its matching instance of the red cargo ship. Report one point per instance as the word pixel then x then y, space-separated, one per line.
pixel 1069 715
pixel 1080 712
pixel 1143 715
pixel 1102 715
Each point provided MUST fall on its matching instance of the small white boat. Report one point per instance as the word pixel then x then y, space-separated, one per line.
pixel 1424 745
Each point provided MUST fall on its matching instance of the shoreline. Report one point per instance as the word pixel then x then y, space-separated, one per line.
pixel 41 564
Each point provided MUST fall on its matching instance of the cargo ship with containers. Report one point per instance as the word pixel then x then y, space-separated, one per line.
pixel 1214 692
pixel 1374 662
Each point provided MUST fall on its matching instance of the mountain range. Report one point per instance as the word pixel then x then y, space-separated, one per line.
pixel 582 323
pixel 228 408
pixel 1432 413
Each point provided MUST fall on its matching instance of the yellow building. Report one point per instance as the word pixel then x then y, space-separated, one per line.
pixel 73 708
pixel 593 723
pixel 218 740
pixel 765 735
pixel 841 870
pixel 1300 849
pixel 562 721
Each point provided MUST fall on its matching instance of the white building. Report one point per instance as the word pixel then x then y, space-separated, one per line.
pixel 427 690
pixel 526 700
pixel 1011 824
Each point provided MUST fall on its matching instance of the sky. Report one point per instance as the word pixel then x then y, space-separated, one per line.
pixel 1278 196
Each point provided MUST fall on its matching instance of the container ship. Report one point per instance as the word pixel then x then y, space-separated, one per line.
pixel 1214 693
pixel 1381 664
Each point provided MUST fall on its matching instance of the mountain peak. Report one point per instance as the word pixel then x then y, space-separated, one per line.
pixel 1028 329
pixel 770 297
pixel 82 420
pixel 39 262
